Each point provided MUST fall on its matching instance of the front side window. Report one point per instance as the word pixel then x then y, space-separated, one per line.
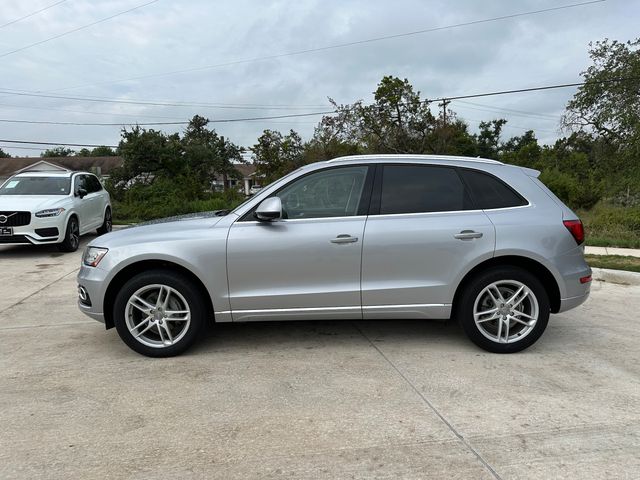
pixel 421 188
pixel 81 183
pixel 329 193
pixel 36 186
pixel 489 192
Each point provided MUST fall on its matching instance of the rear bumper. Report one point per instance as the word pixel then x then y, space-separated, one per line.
pixel 572 302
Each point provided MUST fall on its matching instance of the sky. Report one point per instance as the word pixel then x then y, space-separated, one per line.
pixel 219 48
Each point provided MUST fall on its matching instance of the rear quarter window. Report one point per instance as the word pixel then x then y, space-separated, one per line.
pixel 490 192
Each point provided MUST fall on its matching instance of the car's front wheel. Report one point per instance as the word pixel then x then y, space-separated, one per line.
pixel 159 313
pixel 504 309
pixel 71 237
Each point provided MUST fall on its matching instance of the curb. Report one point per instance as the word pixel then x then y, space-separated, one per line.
pixel 620 277
pixel 625 252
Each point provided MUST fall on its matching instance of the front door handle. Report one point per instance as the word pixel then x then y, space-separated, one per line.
pixel 344 238
pixel 467 235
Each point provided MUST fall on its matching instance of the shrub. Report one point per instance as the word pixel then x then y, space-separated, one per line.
pixel 168 197
pixel 574 192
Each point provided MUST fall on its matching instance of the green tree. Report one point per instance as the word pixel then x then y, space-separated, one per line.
pixel 276 155
pixel 57 152
pixel 488 139
pixel 4 154
pixel 148 154
pixel 397 122
pixel 608 104
pixel 206 153
pixel 102 151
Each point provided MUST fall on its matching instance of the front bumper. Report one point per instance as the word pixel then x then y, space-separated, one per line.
pixel 93 281
pixel 40 231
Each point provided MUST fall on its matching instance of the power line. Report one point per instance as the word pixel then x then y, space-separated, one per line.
pixel 222 120
pixel 517 113
pixel 294 115
pixel 77 29
pixel 32 14
pixel 532 89
pixel 19 148
pixel 64 144
pixel 152 103
pixel 339 45
pixel 89 112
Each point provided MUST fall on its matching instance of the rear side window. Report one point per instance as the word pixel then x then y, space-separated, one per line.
pixel 421 188
pixel 490 192
pixel 93 183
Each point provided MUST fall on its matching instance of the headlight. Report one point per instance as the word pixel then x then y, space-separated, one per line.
pixel 93 255
pixel 50 212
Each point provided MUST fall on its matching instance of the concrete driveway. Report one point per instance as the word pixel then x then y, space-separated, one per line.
pixel 387 399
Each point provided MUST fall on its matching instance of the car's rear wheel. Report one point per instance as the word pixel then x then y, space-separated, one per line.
pixel 159 313
pixel 107 224
pixel 504 309
pixel 71 240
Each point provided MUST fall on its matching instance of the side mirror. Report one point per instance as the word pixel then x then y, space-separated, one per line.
pixel 81 193
pixel 269 210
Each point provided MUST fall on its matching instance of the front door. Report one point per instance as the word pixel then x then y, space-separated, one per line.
pixel 419 241
pixel 306 265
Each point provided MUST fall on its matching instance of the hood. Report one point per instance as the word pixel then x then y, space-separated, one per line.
pixel 31 203
pixel 160 230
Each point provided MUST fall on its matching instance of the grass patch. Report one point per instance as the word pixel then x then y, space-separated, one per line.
pixel 612 226
pixel 614 262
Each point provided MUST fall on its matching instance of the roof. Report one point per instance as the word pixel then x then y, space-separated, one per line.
pixel 61 173
pixel 383 157
pixel 246 169
pixel 9 166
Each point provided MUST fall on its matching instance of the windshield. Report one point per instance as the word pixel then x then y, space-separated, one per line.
pixel 36 186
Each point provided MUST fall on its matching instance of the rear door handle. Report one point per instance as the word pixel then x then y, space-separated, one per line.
pixel 344 238
pixel 467 235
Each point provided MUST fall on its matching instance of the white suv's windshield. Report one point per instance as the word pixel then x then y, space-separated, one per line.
pixel 36 186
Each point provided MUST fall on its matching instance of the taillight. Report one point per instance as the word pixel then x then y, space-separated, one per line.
pixel 575 229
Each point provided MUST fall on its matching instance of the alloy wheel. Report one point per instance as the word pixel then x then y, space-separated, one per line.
pixel 108 221
pixel 157 316
pixel 74 230
pixel 506 311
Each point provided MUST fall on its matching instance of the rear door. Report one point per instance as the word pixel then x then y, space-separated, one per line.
pixel 83 206
pixel 96 199
pixel 420 237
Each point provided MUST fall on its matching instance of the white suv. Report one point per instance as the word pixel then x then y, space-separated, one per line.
pixel 52 208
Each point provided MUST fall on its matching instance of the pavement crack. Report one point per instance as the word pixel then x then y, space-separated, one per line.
pixel 426 401
pixel 38 291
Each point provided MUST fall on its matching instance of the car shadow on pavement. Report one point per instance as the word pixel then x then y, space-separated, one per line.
pixel 318 334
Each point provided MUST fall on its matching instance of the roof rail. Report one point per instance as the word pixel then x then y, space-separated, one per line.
pixel 414 157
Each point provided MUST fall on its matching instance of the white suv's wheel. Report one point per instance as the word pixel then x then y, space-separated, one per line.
pixel 504 310
pixel 71 240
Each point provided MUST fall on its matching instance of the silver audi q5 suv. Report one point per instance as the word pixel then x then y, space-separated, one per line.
pixel 355 238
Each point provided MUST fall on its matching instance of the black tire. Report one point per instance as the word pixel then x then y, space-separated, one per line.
pixel 464 309
pixel 195 303
pixel 71 240
pixel 107 224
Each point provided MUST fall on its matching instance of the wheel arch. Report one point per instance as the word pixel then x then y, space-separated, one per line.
pixel 545 276
pixel 70 215
pixel 134 269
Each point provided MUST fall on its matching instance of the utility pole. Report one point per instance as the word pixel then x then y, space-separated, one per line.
pixel 443 130
pixel 444 104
